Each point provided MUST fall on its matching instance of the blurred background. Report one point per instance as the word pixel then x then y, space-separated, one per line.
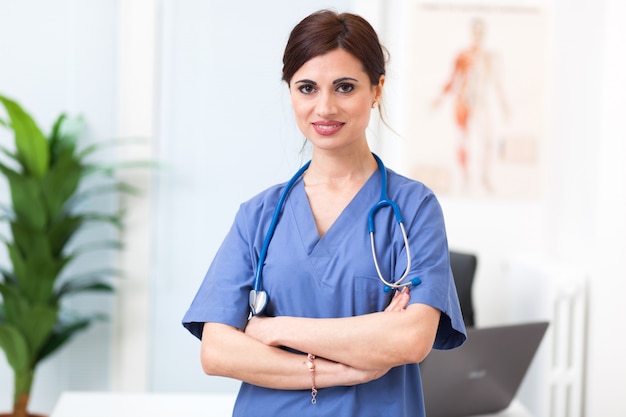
pixel 199 80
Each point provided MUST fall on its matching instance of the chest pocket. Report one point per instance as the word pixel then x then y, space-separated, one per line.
pixel 369 295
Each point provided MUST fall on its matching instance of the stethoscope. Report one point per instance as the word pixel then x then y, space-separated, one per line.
pixel 258 298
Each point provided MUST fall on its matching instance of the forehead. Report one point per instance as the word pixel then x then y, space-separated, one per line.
pixel 337 62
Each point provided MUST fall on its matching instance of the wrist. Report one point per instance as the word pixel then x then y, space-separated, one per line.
pixel 311 367
pixel 278 330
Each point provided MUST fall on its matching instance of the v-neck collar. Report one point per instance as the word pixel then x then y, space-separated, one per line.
pixel 354 215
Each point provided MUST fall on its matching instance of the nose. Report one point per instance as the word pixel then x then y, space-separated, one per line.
pixel 326 105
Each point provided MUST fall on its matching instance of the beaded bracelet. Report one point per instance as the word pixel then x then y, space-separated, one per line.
pixel 311 365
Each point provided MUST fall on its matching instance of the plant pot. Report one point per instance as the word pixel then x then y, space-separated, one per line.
pixel 29 415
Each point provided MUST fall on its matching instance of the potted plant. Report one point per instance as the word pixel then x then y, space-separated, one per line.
pixel 45 212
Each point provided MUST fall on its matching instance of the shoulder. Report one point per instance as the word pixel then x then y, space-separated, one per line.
pixel 264 202
pixel 411 195
pixel 268 195
pixel 402 186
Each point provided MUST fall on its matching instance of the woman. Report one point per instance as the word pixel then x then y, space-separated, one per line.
pixel 332 340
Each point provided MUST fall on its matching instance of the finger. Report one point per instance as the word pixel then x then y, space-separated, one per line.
pixel 399 300
pixel 405 297
pixel 394 302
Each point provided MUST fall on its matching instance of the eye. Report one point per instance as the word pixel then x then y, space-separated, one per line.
pixel 306 88
pixel 345 88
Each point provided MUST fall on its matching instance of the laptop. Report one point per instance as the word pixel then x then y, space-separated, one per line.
pixel 483 375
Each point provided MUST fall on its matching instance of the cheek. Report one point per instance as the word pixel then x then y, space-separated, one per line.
pixel 299 113
pixel 298 106
pixel 363 110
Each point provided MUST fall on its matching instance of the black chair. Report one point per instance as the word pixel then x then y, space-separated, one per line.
pixel 463 267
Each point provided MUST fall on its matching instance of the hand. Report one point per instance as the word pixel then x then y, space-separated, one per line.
pixel 400 300
pixel 259 328
pixel 349 375
pixel 371 375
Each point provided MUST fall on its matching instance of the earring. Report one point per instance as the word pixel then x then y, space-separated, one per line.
pixel 374 104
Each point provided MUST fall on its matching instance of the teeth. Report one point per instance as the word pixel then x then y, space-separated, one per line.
pixel 327 127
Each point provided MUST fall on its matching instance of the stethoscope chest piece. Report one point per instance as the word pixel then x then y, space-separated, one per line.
pixel 258 301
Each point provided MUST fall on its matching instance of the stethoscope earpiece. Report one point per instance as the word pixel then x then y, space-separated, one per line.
pixel 413 283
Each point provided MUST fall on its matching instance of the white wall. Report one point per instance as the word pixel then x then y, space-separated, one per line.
pixel 606 373
pixel 135 105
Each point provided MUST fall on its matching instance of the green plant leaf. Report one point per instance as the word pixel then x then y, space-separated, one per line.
pixel 80 286
pixel 9 153
pixel 66 134
pixel 99 279
pixel 61 182
pixel 56 128
pixel 62 334
pixel 15 347
pixel 116 187
pixel 103 272
pixel 61 231
pixel 37 324
pixel 31 243
pixel 31 144
pixel 56 139
pixel 46 211
pixel 114 219
pixel 94 147
pixel 112 169
pixel 92 246
pixel 8 276
pixel 19 269
pixel 35 276
pixel 14 303
pixel 28 203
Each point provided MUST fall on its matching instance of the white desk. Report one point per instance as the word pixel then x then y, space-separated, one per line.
pixel 516 409
pixel 112 404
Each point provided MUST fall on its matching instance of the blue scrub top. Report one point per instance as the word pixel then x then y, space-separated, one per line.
pixel 333 276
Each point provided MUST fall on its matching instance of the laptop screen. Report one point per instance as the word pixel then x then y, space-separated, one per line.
pixel 483 375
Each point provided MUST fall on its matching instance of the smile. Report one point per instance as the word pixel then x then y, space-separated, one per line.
pixel 327 128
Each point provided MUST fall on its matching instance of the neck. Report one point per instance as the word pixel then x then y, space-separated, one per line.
pixel 332 167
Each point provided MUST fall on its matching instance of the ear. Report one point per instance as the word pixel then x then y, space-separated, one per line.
pixel 378 89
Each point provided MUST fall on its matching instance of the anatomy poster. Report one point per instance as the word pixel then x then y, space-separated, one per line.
pixel 476 99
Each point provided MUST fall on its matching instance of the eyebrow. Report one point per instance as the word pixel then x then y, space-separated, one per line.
pixel 337 81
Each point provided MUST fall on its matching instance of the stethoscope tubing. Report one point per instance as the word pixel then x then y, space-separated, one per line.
pixel 259 298
pixel 385 201
pixel 273 223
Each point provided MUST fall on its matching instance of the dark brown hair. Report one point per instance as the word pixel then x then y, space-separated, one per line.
pixel 325 31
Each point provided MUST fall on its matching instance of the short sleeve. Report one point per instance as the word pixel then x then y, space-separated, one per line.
pixel 431 264
pixel 223 293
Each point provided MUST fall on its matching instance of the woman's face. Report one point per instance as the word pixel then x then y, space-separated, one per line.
pixel 332 98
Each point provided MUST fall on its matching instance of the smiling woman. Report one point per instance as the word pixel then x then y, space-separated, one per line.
pixel 321 297
pixel 332 96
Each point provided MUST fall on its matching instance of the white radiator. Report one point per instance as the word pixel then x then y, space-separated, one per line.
pixel 541 290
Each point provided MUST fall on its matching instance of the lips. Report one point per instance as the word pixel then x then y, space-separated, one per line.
pixel 327 128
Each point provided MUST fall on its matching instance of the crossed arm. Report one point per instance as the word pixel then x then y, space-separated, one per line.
pixel 349 350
